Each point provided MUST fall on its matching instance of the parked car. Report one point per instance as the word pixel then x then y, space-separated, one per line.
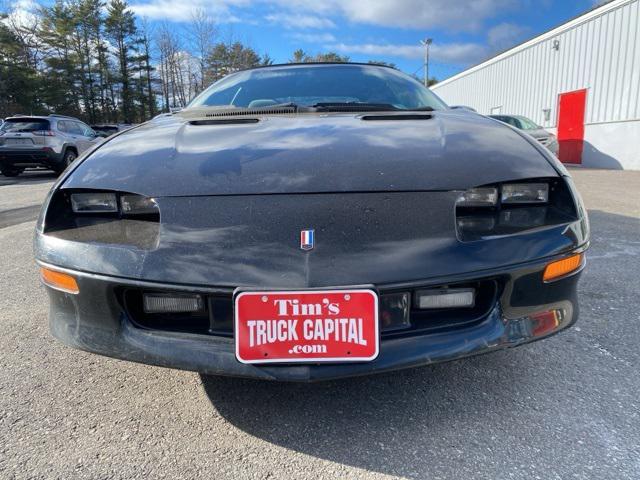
pixel 106 130
pixel 463 107
pixel 306 222
pixel 50 142
pixel 547 139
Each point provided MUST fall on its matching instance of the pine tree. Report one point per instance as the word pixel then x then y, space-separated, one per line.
pixel 20 83
pixel 121 29
pixel 59 69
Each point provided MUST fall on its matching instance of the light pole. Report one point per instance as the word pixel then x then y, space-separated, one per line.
pixel 425 43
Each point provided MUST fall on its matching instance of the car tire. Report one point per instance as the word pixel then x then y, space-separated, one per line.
pixel 11 172
pixel 67 159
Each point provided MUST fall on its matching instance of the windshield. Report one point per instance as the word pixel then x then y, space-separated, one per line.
pixel 24 125
pixel 308 85
pixel 526 124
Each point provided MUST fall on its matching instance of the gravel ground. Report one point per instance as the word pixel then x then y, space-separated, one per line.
pixel 567 407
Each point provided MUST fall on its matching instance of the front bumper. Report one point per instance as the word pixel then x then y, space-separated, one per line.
pixel 30 158
pixel 527 309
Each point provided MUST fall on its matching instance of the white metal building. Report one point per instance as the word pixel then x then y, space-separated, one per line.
pixel 580 80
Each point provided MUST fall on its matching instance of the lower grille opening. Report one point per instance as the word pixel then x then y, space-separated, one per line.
pixel 398 312
pixel 424 321
pixel 188 322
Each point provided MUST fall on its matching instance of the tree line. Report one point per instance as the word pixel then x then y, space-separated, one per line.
pixel 93 59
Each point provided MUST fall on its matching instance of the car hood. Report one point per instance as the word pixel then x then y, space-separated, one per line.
pixel 310 153
pixel 539 133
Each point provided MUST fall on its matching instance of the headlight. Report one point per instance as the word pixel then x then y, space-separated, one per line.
pixel 108 202
pixel 525 193
pixel 138 205
pixel 95 202
pixel 479 197
pixel 520 206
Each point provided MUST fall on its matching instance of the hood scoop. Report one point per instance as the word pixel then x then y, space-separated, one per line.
pixel 397 117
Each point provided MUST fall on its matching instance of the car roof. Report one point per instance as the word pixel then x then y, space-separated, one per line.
pixel 37 117
pixel 43 117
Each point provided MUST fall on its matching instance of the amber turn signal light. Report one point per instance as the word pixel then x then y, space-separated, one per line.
pixel 560 268
pixel 59 281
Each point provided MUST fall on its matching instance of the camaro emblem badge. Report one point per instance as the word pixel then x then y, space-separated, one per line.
pixel 307 239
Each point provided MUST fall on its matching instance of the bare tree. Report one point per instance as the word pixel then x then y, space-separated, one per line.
pixel 166 42
pixel 176 69
pixel 203 33
pixel 25 27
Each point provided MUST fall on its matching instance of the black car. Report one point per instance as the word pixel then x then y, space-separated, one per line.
pixel 306 222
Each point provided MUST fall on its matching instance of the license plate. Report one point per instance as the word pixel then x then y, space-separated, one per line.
pixel 19 141
pixel 306 326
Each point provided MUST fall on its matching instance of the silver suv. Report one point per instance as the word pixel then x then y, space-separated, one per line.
pixel 52 142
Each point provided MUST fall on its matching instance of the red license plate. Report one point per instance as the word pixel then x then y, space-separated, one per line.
pixel 306 326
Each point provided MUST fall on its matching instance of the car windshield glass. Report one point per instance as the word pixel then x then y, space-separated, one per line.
pixel 526 124
pixel 24 125
pixel 314 84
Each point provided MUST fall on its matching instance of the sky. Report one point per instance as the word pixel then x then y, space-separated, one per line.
pixel 464 32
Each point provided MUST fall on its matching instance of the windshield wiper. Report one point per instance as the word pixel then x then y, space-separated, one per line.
pixel 365 107
pixel 354 107
pixel 275 106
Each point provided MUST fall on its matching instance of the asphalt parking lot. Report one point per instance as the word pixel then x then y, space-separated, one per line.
pixel 567 407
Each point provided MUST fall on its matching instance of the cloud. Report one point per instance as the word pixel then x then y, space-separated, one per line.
pixel 460 15
pixel 302 17
pixel 22 13
pixel 454 53
pixel 313 37
pixel 299 21
pixel 180 11
pixel 457 15
pixel 506 35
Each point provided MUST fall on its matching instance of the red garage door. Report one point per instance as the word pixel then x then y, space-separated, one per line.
pixel 571 107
